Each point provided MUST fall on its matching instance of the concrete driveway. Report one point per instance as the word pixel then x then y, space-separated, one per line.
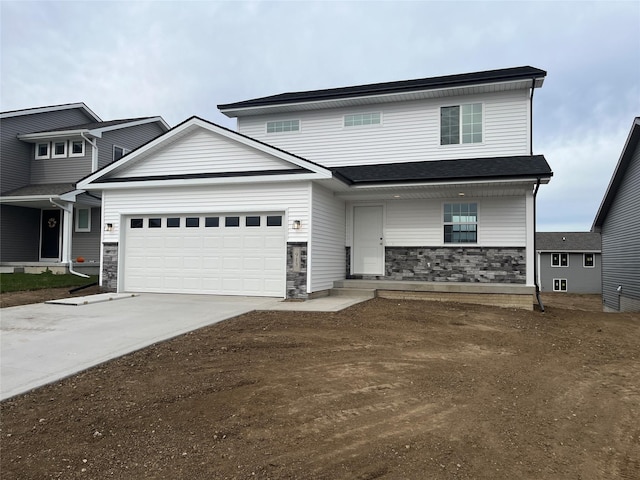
pixel 42 343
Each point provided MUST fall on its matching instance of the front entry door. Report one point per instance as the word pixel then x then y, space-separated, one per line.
pixel 50 235
pixel 368 244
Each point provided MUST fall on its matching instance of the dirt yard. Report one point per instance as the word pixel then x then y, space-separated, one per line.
pixel 382 390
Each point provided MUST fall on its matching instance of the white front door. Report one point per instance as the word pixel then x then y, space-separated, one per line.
pixel 368 243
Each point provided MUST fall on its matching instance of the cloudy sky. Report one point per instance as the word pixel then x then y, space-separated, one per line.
pixel 182 58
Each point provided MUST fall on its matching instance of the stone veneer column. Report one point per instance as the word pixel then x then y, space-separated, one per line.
pixel 110 266
pixel 297 270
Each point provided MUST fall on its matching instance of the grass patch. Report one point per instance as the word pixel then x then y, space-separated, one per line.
pixel 18 282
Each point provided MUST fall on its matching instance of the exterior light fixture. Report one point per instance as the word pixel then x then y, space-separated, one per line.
pixel 461 194
pixel 297 224
pixel 108 227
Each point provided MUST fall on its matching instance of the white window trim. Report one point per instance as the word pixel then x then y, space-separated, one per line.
pixel 477 224
pixel 286 132
pixel 38 157
pixel 113 152
pixel 559 289
pixel 367 125
pixel 460 144
pixel 560 260
pixel 77 219
pixel 53 149
pixel 584 260
pixel 71 154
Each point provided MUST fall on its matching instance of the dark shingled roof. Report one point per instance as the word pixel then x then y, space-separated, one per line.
pixel 44 189
pixel 93 125
pixel 489 76
pixel 447 170
pixel 568 241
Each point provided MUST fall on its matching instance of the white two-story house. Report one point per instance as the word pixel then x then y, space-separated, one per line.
pixel 424 184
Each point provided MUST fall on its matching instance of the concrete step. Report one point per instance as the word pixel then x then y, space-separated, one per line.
pixel 352 292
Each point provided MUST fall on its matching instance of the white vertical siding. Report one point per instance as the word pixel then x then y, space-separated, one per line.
pixel 327 249
pixel 409 132
pixel 204 152
pixel 502 222
pixel 292 198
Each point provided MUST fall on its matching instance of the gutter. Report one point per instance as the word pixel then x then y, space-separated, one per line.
pixel 535 253
pixel 69 210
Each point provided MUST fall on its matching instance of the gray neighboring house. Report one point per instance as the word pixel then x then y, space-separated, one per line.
pixel 45 222
pixel 618 221
pixel 569 262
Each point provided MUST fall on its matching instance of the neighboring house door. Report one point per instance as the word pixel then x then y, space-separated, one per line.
pixel 368 244
pixel 50 235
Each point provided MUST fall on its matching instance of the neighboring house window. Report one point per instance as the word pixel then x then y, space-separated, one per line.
pixel 83 219
pixel 283 126
pixel 77 148
pixel 362 119
pixel 460 223
pixel 559 284
pixel 461 124
pixel 119 152
pixel 559 259
pixel 589 260
pixel 59 149
pixel 42 150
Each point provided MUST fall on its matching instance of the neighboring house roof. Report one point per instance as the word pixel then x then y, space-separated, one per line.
pixel 95 128
pixel 51 108
pixel 389 88
pixel 633 140
pixel 448 170
pixel 568 242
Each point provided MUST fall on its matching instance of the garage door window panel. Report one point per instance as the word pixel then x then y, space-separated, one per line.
pixel 173 222
pixel 136 223
pixel 252 221
pixel 232 221
pixel 193 222
pixel 274 221
pixel 155 223
pixel 212 222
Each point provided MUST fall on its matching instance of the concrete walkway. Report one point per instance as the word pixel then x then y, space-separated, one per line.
pixel 43 343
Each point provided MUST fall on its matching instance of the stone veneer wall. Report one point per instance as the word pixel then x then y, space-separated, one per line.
pixel 297 280
pixel 110 267
pixel 453 264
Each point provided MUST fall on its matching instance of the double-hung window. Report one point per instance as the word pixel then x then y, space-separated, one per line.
pixel 119 152
pixel 559 259
pixel 461 124
pixel 59 149
pixel 589 260
pixel 42 150
pixel 460 222
pixel 76 148
pixel 83 219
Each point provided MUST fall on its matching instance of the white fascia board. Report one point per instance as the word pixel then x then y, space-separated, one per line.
pixel 35 137
pixel 569 250
pixel 523 181
pixel 130 124
pixel 201 181
pixel 71 196
pixel 54 108
pixel 384 97
pixel 28 198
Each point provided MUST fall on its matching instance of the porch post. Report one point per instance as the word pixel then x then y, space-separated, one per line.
pixel 530 240
pixel 67 226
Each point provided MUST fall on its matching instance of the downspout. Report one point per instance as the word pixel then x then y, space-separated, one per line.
pixel 535 262
pixel 69 210
pixel 94 153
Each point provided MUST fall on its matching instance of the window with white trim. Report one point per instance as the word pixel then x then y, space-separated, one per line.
pixel 461 124
pixel 460 222
pixel 42 150
pixel 76 148
pixel 280 126
pixel 588 260
pixel 361 119
pixel 59 149
pixel 559 284
pixel 83 219
pixel 559 259
pixel 119 152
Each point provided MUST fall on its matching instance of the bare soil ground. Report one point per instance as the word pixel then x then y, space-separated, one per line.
pixel 382 390
pixel 13 299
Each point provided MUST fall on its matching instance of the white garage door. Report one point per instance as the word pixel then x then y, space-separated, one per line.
pixel 235 254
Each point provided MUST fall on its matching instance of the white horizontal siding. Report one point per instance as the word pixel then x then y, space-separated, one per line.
pixel 410 131
pixel 292 198
pixel 327 249
pixel 419 223
pixel 204 152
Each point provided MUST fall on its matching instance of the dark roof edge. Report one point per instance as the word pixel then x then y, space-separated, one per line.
pixel 193 176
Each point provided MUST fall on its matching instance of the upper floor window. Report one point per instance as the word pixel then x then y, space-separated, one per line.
pixel 119 152
pixel 283 126
pixel 559 259
pixel 59 149
pixel 461 124
pixel 77 148
pixel 362 119
pixel 42 150
pixel 589 260
pixel 460 222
